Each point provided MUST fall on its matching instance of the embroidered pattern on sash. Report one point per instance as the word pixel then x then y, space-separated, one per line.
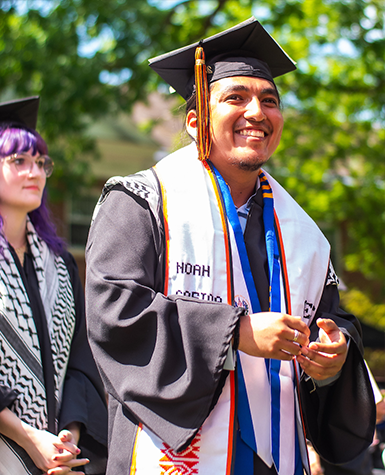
pixel 182 463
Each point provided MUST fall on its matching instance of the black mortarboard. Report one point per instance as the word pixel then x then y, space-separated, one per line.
pixel 22 111
pixel 247 49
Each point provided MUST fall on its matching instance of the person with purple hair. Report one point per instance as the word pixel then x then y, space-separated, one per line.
pixel 52 401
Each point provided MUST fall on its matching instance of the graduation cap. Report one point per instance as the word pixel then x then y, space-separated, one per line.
pixel 246 49
pixel 248 42
pixel 22 111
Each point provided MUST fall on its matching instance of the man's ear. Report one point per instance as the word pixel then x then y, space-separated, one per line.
pixel 191 123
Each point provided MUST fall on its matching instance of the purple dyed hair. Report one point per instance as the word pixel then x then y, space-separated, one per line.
pixel 16 138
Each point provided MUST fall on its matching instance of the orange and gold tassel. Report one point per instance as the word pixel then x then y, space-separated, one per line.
pixel 202 105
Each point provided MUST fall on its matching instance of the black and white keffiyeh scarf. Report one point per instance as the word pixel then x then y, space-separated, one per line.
pixel 20 353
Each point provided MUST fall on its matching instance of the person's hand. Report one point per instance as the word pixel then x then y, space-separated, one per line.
pixel 315 461
pixel 55 455
pixel 324 359
pixel 380 411
pixel 272 335
pixel 67 458
pixel 66 465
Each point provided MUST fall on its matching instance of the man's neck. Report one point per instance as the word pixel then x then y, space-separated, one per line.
pixel 241 197
pixel 242 182
pixel 242 190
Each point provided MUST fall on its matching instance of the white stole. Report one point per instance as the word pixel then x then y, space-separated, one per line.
pixel 197 266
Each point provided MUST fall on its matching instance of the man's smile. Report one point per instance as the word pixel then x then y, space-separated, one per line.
pixel 252 133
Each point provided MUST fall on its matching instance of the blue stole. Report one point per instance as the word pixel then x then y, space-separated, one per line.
pixel 245 443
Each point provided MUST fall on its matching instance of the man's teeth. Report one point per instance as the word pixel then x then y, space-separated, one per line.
pixel 252 133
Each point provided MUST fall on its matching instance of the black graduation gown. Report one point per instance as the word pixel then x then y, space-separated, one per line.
pixel 161 358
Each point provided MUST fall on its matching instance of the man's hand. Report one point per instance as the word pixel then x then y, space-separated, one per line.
pixel 272 335
pixel 315 461
pixel 324 359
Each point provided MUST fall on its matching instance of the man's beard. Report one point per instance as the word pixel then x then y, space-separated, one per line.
pixel 248 164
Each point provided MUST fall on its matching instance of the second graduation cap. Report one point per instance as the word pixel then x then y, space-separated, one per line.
pixel 22 111
pixel 245 40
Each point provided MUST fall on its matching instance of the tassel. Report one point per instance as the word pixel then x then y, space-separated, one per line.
pixel 202 105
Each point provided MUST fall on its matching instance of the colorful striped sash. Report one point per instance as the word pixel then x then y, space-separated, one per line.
pixel 203 233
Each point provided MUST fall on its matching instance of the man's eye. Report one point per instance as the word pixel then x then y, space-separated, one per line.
pixel 40 163
pixel 19 161
pixel 234 97
pixel 271 100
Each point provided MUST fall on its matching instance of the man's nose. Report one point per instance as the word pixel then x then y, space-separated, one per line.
pixel 254 110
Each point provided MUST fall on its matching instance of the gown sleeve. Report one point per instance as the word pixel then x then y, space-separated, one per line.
pixel 84 398
pixel 340 417
pixel 160 357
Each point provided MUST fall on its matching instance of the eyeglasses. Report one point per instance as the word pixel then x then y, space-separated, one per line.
pixel 24 162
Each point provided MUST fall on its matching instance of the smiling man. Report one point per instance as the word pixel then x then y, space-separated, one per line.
pixel 246 129
pixel 212 303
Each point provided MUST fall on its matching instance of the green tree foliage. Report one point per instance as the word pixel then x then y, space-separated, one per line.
pixel 87 58
pixel 356 302
pixel 332 154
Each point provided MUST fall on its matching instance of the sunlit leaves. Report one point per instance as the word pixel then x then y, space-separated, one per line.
pixel 87 58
